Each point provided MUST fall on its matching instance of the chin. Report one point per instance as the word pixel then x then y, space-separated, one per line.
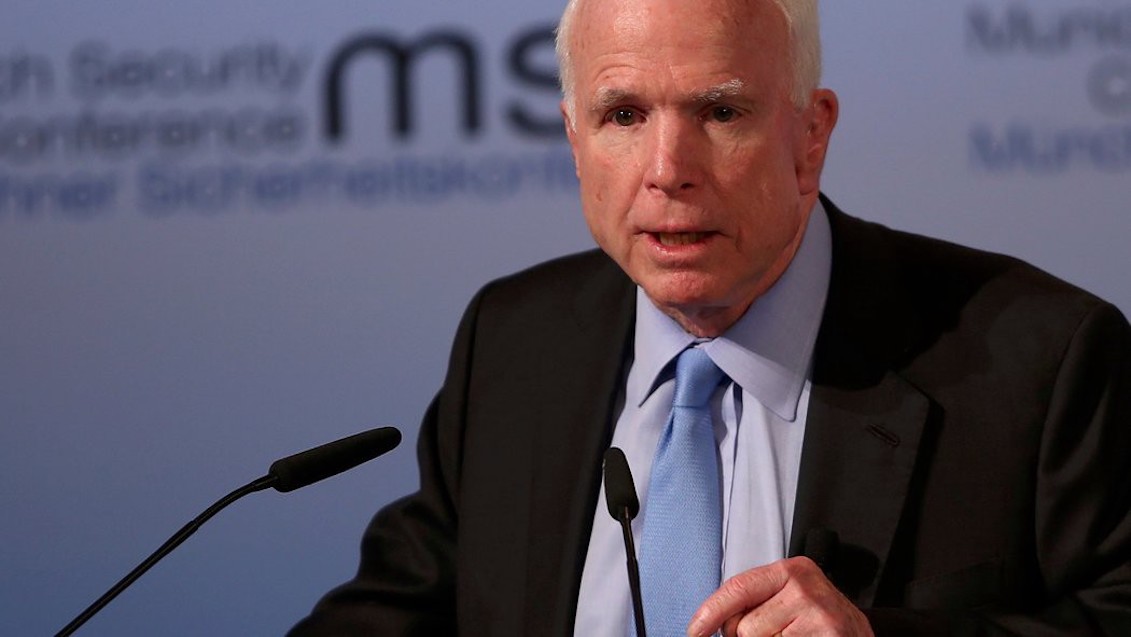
pixel 685 297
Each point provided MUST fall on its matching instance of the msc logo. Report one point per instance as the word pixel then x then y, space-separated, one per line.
pixel 402 55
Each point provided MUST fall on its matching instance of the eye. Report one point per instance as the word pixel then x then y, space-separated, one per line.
pixel 723 113
pixel 623 117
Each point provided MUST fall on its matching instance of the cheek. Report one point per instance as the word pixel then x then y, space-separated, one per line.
pixel 600 216
pixel 608 189
pixel 611 179
pixel 764 199
pixel 770 162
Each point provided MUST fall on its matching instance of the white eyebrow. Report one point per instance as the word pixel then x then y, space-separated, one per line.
pixel 606 97
pixel 720 92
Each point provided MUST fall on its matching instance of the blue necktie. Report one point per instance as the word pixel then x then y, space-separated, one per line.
pixel 680 551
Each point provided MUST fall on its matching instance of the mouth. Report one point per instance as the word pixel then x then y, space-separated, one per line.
pixel 672 239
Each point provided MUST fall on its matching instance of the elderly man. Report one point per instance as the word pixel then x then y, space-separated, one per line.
pixel 959 420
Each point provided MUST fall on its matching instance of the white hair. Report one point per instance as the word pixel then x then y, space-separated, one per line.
pixel 805 48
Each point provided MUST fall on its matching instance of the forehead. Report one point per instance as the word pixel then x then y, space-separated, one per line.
pixel 685 41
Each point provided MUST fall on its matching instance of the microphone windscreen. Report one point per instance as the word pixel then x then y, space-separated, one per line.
pixel 332 458
pixel 620 492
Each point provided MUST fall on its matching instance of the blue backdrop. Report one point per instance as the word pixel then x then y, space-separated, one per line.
pixel 227 234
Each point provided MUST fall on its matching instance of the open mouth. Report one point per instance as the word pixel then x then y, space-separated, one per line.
pixel 679 238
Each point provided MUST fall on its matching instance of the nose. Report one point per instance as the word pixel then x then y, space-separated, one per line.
pixel 675 162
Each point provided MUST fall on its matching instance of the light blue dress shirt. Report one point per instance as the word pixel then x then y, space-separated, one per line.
pixel 759 416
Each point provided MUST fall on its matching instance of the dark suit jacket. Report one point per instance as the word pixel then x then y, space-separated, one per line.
pixel 968 439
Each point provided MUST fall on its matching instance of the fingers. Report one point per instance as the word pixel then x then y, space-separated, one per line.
pixel 739 594
pixel 791 597
pixel 730 627
pixel 771 617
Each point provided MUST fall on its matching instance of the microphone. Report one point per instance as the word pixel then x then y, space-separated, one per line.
pixel 286 474
pixel 332 458
pixel 620 496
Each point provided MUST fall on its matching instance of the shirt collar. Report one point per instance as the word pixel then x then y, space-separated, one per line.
pixel 767 352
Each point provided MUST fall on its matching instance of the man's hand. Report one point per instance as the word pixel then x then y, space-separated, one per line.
pixel 790 597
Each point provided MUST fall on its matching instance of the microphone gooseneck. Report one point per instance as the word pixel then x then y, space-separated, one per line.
pixel 287 474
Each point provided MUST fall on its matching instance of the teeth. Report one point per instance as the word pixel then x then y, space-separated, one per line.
pixel 680 238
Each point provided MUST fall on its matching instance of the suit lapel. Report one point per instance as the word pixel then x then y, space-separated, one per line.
pixel 568 449
pixel 857 463
pixel 866 423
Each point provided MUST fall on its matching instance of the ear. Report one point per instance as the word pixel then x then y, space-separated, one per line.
pixel 571 135
pixel 817 123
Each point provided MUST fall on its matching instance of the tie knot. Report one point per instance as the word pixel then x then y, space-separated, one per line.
pixel 696 377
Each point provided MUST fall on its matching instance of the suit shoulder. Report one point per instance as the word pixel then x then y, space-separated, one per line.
pixel 557 281
pixel 579 264
pixel 937 272
pixel 895 296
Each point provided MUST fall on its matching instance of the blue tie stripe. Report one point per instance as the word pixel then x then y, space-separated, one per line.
pixel 680 551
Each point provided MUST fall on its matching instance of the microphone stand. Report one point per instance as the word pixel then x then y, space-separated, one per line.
pixel 172 543
pixel 633 571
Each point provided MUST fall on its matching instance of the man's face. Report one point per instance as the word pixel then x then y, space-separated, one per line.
pixel 697 171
